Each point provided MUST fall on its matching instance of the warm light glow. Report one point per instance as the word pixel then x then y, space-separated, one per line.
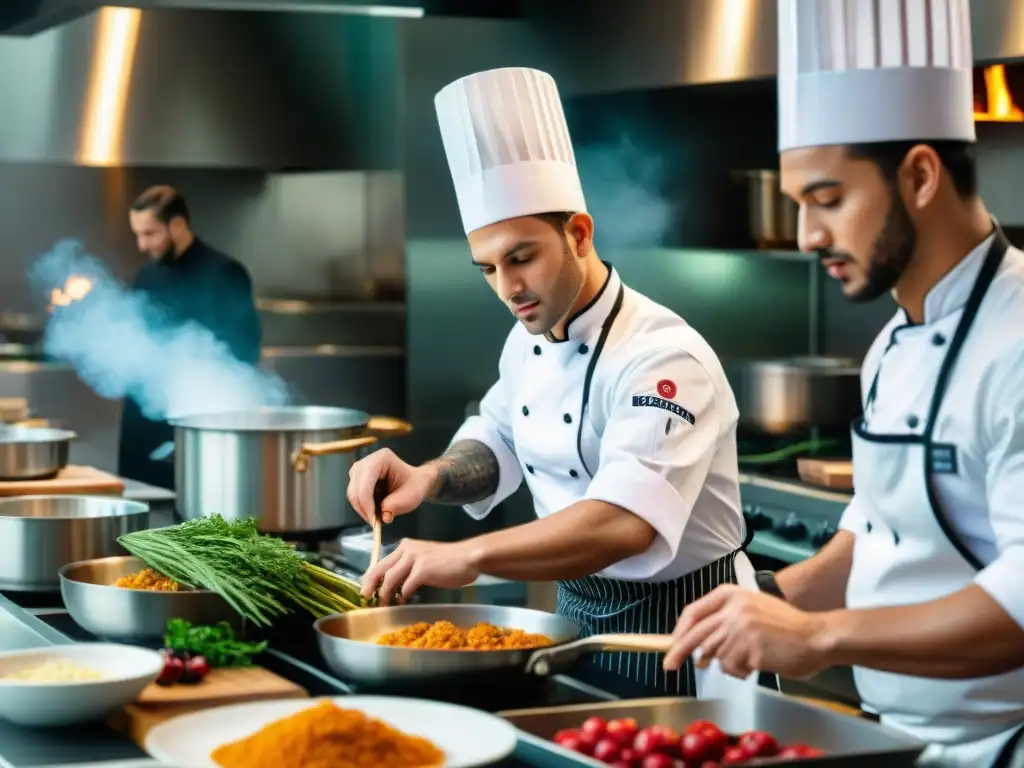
pixel 1001 108
pixel 76 287
pixel 733 30
pixel 117 32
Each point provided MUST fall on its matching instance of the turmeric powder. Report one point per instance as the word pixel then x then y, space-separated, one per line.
pixel 327 736
pixel 443 635
pixel 147 579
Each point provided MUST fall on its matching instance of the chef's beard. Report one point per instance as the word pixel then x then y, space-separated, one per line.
pixel 169 255
pixel 890 254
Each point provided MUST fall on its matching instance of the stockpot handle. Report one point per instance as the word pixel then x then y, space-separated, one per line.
pixel 545 660
pixel 300 459
pixel 387 426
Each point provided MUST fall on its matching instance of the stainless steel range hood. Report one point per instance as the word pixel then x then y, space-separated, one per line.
pixel 28 17
pixel 605 46
pixel 211 89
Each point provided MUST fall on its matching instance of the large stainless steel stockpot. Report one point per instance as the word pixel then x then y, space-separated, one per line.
pixel 287 467
pixel 41 534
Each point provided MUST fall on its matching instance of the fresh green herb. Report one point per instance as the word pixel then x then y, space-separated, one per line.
pixel 261 577
pixel 217 643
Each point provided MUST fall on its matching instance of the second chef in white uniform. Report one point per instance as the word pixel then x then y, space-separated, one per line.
pixel 615 412
pixel 920 591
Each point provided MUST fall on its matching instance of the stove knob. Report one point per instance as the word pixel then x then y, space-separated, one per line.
pixel 756 519
pixel 823 535
pixel 791 528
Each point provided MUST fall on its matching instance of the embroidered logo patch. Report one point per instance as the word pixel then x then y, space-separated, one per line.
pixel 667 388
pixel 651 401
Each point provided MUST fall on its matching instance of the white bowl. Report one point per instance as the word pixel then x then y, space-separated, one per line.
pixel 126 670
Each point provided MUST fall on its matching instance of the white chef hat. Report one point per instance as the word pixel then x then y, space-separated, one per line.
pixel 508 146
pixel 861 71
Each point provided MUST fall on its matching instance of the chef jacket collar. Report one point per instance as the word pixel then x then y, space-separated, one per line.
pixel 951 292
pixel 588 320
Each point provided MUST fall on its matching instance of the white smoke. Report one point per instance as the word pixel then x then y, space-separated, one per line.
pixel 120 345
pixel 623 185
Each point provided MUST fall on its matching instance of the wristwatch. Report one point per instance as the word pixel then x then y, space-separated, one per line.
pixel 766 583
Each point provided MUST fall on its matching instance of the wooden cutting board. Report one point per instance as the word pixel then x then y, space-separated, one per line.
pixel 222 686
pixel 826 473
pixel 71 480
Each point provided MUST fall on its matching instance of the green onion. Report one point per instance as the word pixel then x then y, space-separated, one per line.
pixel 261 577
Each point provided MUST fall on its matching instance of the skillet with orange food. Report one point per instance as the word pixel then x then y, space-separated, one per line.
pixel 348 642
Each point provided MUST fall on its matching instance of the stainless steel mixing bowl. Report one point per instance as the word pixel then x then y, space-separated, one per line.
pixel 133 615
pixel 39 534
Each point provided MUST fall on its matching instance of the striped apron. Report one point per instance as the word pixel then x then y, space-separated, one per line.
pixel 609 606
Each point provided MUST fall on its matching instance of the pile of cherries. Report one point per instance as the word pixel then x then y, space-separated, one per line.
pixel 702 744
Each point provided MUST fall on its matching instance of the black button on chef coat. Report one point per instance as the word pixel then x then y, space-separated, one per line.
pixel 204 286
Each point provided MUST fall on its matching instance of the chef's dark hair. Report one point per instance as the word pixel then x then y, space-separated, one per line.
pixel 557 219
pixel 166 203
pixel 957 157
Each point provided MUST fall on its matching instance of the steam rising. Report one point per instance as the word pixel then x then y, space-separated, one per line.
pixel 120 345
pixel 622 183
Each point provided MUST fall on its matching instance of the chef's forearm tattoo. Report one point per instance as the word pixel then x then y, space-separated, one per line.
pixel 467 472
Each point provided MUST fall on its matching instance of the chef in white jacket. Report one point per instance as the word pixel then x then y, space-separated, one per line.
pixel 615 412
pixel 921 590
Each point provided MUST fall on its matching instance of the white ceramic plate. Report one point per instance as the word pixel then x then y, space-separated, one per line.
pixel 467 736
pixel 126 671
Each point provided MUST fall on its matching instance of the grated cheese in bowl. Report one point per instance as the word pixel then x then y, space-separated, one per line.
pixel 54 671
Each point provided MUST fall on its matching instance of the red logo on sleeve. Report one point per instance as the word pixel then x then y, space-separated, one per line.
pixel 667 388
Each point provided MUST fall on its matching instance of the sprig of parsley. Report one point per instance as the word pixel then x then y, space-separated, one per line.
pixel 215 642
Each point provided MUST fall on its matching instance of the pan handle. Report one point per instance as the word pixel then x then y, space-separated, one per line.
pixel 388 426
pixel 543 661
pixel 300 459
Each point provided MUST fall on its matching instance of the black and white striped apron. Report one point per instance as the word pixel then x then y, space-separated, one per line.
pixel 610 606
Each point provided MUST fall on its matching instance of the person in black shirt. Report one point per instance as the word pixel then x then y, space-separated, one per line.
pixel 186 281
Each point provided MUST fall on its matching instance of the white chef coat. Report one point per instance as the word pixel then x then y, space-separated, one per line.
pixel 982 421
pixel 668 456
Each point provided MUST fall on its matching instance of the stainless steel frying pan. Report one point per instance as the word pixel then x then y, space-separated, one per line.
pixel 348 644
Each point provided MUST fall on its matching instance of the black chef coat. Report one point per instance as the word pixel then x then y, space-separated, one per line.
pixel 205 286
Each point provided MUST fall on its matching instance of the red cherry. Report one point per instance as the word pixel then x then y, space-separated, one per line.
pixel 594 725
pixel 623 731
pixel 734 756
pixel 758 744
pixel 607 750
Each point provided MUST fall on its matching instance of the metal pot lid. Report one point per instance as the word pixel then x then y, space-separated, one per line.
pixel 15 434
pixel 306 418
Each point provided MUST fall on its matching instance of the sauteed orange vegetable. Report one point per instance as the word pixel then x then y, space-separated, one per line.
pixel 443 635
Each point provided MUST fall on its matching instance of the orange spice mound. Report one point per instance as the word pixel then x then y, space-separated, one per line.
pixel 443 635
pixel 327 736
pixel 149 579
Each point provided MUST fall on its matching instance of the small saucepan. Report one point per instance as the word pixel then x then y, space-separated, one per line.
pixel 33 453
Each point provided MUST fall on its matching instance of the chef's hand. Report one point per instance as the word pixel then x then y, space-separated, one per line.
pixel 407 485
pixel 749 631
pixel 415 564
